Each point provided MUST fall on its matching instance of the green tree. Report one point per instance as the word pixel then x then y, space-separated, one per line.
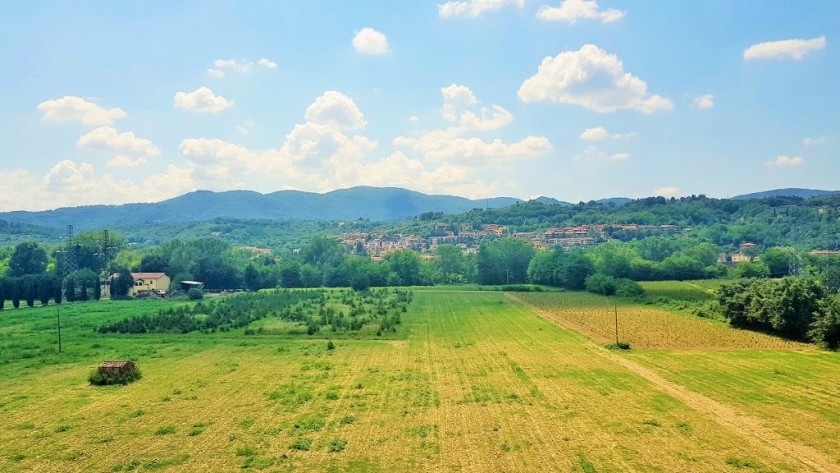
pixel 504 261
pixel 779 261
pixel 28 258
pixel 406 265
pixel 450 264
pixel 121 283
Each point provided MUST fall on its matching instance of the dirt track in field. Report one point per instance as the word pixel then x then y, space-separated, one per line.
pixel 746 427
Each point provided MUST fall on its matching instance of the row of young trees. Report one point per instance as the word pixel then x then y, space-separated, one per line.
pixel 77 286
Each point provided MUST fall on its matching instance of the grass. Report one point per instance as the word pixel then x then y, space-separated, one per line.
pixel 643 326
pixel 472 381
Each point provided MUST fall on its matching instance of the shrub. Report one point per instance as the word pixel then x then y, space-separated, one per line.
pixel 601 284
pixel 338 445
pixel 618 346
pixel 195 294
pixel 301 444
pixel 97 378
pixel 330 345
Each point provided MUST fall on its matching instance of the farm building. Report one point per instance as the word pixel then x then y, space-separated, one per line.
pixel 149 282
pixel 116 368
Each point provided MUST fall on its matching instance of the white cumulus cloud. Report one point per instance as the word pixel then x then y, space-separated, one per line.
pixel 239 66
pixel 267 63
pixel 795 49
pixel 595 134
pixel 593 79
pixel 336 109
pixel 215 73
pixel 570 11
pixel 460 106
pixel 785 161
pixel 370 41
pixel 619 157
pixel 704 102
pixel 110 139
pixel 121 161
pixel 474 8
pixel 202 100
pixel 77 109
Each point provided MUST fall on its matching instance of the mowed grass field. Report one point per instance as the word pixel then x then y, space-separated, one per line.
pixel 472 381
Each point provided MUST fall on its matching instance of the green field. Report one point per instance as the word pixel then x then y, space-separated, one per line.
pixel 471 381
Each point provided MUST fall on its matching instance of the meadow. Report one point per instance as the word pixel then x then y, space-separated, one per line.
pixel 469 381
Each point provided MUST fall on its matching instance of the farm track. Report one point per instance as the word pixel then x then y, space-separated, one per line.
pixel 746 427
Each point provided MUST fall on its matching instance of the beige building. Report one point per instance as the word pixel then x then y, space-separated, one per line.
pixel 149 282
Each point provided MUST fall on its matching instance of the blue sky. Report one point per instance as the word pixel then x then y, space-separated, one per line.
pixel 114 102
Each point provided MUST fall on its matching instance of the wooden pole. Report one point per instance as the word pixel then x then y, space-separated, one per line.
pixel 58 323
pixel 616 325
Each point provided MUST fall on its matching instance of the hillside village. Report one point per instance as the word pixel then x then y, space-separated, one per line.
pixel 378 245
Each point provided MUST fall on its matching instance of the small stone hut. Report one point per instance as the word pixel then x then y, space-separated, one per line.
pixel 116 368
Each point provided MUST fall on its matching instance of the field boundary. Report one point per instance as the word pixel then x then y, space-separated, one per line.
pixel 749 428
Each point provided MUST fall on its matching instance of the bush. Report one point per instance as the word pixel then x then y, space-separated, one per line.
pixel 618 346
pixel 100 379
pixel 330 345
pixel 628 288
pixel 601 284
pixel 195 294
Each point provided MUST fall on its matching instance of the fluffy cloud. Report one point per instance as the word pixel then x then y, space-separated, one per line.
pixel 448 146
pixel 814 141
pixel 71 184
pixel 238 66
pixel 459 107
pixel 593 79
pixel 570 11
pixel 267 63
pixel 77 109
pixel 121 161
pixel 202 100
pixel 108 138
pixel 370 41
pixel 785 161
pixel 704 102
pixel 595 134
pixel 336 109
pixel 669 191
pixel 474 8
pixel 795 49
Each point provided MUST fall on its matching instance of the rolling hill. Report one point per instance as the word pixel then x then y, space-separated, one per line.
pixel 381 204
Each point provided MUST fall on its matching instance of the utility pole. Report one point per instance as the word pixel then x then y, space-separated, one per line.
pixel 58 323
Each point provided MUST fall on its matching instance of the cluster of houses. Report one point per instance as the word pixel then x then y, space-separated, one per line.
pixel 378 245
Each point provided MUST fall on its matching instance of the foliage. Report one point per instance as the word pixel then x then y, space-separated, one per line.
pixel 504 261
pixel 608 286
pixel 98 378
pixel 338 310
pixel 121 283
pixel 798 308
pixel 195 294
pixel 27 258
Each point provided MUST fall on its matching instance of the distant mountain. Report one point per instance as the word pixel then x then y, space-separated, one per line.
pixel 550 201
pixel 792 192
pixel 615 201
pixel 381 204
